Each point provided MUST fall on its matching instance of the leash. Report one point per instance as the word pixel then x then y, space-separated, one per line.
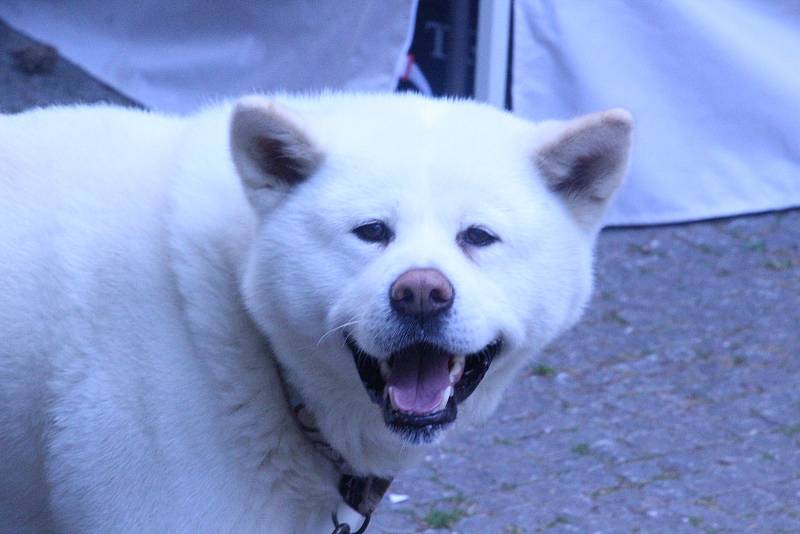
pixel 360 494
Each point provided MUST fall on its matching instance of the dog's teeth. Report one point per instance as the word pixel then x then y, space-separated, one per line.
pixel 385 369
pixel 457 369
pixel 445 397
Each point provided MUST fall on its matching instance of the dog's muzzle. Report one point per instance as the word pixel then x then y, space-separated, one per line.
pixel 419 387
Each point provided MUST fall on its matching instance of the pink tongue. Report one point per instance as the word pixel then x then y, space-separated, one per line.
pixel 418 380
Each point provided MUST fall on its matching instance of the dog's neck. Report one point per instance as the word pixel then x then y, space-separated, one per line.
pixel 360 493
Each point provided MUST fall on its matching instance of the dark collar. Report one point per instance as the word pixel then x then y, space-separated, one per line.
pixel 361 493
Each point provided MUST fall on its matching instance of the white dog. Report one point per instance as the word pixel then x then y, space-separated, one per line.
pixel 181 297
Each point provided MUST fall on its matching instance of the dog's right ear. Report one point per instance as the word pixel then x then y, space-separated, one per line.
pixel 271 151
pixel 585 160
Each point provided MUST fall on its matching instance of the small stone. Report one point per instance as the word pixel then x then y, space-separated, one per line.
pixel 396 498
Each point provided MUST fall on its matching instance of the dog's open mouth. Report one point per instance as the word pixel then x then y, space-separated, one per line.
pixel 420 386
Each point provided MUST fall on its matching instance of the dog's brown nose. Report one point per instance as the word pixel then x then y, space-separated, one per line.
pixel 421 293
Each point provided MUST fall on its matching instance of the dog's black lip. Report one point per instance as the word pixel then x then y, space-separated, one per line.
pixel 368 369
pixel 403 420
pixel 420 426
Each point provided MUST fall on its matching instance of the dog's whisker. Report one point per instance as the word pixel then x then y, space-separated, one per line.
pixel 332 330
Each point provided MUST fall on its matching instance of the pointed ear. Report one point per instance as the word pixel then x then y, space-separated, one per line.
pixel 271 151
pixel 585 160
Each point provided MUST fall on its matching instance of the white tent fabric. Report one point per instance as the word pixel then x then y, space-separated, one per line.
pixel 714 86
pixel 178 56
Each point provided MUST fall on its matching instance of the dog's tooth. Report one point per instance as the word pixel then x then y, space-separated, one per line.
pixel 445 397
pixel 385 369
pixel 457 369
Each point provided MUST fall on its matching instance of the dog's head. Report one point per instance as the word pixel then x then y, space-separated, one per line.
pixel 412 253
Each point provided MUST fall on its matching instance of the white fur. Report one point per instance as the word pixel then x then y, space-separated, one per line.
pixel 146 293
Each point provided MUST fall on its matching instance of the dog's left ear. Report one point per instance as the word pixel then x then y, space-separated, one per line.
pixel 270 149
pixel 585 160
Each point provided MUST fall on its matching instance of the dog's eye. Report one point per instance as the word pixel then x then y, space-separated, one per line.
pixel 476 236
pixel 373 232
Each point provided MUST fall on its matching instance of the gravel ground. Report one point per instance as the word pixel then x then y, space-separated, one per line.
pixel 673 407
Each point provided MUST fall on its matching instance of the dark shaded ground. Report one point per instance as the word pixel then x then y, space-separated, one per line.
pixel 673 407
pixel 62 84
